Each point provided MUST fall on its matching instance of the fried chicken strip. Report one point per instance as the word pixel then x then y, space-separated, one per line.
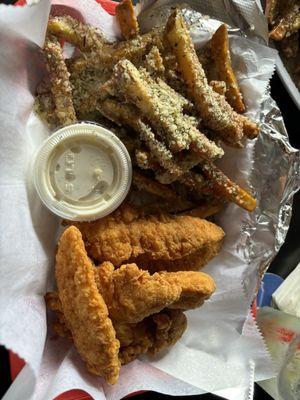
pixel 196 287
pixel 150 335
pixel 132 294
pixel 84 309
pixel 140 90
pixel 127 236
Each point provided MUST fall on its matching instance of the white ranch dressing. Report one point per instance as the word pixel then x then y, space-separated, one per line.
pixel 82 172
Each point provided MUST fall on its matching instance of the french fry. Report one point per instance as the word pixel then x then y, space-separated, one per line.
pixel 217 114
pixel 186 162
pixel 127 20
pixel 205 210
pixel 60 83
pixel 83 36
pixel 125 114
pixel 44 104
pixel 271 10
pixel 221 55
pixel 96 48
pixel 154 63
pixel 165 192
pixel 221 185
pixel 195 182
pixel 120 113
pixel 170 124
pixel 288 23
pixel 251 129
pixel 145 161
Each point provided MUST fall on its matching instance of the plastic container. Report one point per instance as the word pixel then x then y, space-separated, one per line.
pixel 82 172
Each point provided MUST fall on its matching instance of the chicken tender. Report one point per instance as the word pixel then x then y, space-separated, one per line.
pixel 84 309
pixel 100 306
pixel 150 335
pixel 151 241
pixel 132 294
pixel 196 287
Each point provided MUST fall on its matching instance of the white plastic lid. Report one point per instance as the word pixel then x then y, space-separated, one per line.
pixel 82 172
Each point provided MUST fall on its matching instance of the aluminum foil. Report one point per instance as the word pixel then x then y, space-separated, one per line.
pixel 280 163
pixel 199 362
pixel 271 152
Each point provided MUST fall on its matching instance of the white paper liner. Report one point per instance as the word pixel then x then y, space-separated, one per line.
pixel 215 354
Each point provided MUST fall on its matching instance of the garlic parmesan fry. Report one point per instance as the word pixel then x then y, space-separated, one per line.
pixel 96 48
pixel 217 114
pixel 127 20
pixel 218 86
pixel 227 189
pixel 83 36
pixel 221 55
pixel 205 210
pixel 125 114
pixel 165 192
pixel 120 113
pixel 289 21
pixel 290 45
pixel 154 63
pixel 60 83
pixel 166 120
pixel 271 10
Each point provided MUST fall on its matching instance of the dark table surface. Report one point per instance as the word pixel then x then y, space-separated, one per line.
pixel 286 260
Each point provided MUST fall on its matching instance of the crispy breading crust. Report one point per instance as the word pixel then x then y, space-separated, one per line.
pixel 196 287
pixel 162 237
pixel 150 335
pixel 84 309
pixel 132 294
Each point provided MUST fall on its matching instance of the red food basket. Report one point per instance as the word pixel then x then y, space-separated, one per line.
pixel 16 364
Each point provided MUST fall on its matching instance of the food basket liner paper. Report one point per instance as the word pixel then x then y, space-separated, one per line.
pixel 219 352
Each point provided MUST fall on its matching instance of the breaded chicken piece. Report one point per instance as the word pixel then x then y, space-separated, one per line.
pixel 99 306
pixel 84 309
pixel 196 287
pixel 150 335
pixel 192 262
pixel 132 294
pixel 127 236
pixel 169 327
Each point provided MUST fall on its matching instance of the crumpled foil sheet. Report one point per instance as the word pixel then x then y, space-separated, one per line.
pixel 280 180
pixel 271 152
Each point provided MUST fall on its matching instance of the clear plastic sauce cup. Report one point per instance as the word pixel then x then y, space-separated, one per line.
pixel 82 172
